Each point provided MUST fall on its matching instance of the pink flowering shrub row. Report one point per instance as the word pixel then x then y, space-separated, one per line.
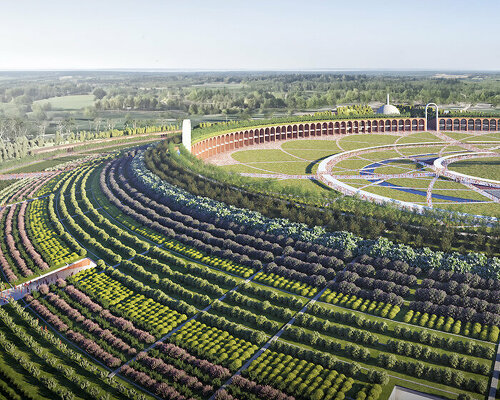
pixel 93 349
pixel 7 270
pixel 175 374
pixel 40 183
pixel 45 313
pixel 264 392
pixel 224 395
pixel 35 256
pixel 214 370
pixel 160 388
pixel 86 344
pixel 11 245
pixel 90 326
pixel 24 191
pixel 119 322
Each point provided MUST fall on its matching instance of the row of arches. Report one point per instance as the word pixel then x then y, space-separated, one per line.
pixel 469 124
pixel 235 140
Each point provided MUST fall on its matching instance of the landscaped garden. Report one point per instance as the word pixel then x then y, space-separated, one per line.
pixel 202 290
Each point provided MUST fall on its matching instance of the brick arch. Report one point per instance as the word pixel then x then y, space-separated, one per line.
pixel 238 139
pixel 306 130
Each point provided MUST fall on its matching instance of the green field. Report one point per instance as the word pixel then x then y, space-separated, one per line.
pixel 42 165
pixel 312 155
pixel 395 194
pixel 352 142
pixel 249 156
pixel 237 168
pixel 310 144
pixel 419 137
pixel 484 167
pixel 68 103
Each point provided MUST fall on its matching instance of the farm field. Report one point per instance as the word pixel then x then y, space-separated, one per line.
pixel 189 300
pixel 74 102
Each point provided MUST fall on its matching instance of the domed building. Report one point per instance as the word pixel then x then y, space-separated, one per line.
pixel 388 109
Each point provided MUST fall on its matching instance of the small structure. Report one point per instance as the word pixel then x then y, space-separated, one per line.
pixel 388 109
pixel 186 134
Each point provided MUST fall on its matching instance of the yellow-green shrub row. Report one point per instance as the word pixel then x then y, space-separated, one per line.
pixel 299 378
pixel 138 307
pixel 216 262
pixel 353 302
pixel 280 282
pixel 214 344
pixel 44 237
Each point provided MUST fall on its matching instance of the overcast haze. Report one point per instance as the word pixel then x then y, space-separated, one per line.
pixel 250 35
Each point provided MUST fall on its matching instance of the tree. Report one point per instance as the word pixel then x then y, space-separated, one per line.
pixel 99 93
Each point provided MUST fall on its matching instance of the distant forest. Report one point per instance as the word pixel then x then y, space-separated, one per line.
pixel 33 103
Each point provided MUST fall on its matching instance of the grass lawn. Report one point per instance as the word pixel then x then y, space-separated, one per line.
pixel 459 135
pixel 421 183
pixel 443 183
pixel 489 136
pixel 410 151
pixel 312 155
pixel 352 163
pixel 42 165
pixel 284 167
pixel 237 168
pixel 381 155
pixel 491 209
pixel 485 167
pixel 310 144
pixel 419 137
pixel 75 102
pixel 352 142
pixel 395 194
pixel 249 156
pixel 465 194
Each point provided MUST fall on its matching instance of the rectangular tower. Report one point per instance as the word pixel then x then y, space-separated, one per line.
pixel 186 134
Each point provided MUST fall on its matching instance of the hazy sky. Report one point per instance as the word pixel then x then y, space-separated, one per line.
pixel 272 34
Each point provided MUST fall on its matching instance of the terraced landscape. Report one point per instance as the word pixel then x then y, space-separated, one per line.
pixel 193 298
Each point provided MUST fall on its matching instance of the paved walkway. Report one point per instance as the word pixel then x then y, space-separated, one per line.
pixel 495 376
pixel 6 177
pixel 19 291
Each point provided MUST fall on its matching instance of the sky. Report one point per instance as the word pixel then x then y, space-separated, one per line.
pixel 250 35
